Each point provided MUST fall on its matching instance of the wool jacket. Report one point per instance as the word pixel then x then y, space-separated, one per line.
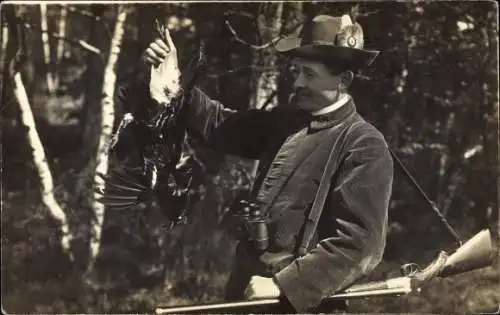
pixel 293 150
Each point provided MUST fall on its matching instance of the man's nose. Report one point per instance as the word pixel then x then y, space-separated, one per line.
pixel 299 82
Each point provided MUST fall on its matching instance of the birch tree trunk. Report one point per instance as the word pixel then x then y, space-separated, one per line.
pixel 269 27
pixel 88 122
pixel 107 121
pixel 5 40
pixel 41 164
pixel 46 47
pixel 293 20
pixel 266 82
pixel 60 43
pixel 3 56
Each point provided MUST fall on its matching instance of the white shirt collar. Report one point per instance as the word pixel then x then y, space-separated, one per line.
pixel 330 108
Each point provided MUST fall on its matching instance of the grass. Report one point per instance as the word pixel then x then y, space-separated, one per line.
pixel 36 278
pixel 472 292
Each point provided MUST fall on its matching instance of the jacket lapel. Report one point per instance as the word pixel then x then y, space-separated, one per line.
pixel 309 141
pixel 318 130
pixel 304 148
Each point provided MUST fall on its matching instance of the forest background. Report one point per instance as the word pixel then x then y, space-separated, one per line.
pixel 433 92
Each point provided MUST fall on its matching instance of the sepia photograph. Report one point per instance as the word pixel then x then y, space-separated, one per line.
pixel 249 157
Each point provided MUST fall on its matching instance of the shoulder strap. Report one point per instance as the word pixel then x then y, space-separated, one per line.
pixel 319 200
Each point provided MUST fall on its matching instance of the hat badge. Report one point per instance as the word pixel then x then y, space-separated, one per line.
pixel 330 37
pixel 351 41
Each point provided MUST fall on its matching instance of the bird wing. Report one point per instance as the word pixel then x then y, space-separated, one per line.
pixel 123 188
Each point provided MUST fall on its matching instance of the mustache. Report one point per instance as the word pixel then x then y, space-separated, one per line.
pixel 301 93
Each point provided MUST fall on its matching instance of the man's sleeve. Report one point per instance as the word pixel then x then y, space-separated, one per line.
pixel 244 135
pixel 205 114
pixel 357 231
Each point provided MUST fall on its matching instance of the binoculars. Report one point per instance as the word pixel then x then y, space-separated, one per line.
pixel 251 224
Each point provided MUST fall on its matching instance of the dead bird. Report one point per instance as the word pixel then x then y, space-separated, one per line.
pixel 148 161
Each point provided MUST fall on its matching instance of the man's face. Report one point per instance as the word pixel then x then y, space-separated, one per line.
pixel 314 85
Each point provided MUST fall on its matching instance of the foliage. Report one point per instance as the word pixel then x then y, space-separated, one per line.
pixel 433 92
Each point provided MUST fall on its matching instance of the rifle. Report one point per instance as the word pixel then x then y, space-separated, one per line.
pixel 476 253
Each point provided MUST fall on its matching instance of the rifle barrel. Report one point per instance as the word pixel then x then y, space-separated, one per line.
pixel 214 306
pixel 477 252
pixel 252 303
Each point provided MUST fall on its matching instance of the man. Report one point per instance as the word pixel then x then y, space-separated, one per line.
pixel 293 146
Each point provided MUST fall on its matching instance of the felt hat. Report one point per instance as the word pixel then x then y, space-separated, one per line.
pixel 330 38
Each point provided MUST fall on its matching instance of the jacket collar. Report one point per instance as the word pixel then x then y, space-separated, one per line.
pixel 333 118
pixel 344 98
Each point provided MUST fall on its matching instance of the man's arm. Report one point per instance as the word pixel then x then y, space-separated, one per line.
pixel 205 114
pixel 244 135
pixel 160 82
pixel 356 239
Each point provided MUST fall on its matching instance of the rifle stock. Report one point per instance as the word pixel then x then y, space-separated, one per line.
pixel 476 253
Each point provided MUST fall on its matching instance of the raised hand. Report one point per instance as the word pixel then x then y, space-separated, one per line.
pixel 165 74
pixel 156 52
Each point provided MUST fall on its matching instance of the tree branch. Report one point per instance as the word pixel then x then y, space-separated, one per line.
pixel 362 77
pixel 416 146
pixel 245 14
pixel 84 13
pixel 355 13
pixel 91 16
pixel 269 99
pixel 262 46
pixel 368 13
pixel 79 42
pixel 238 69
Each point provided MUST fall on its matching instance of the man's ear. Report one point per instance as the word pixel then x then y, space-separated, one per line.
pixel 346 78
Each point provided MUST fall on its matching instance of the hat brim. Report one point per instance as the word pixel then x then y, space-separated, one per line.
pixel 352 57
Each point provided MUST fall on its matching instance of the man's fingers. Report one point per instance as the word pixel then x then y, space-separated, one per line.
pixel 249 291
pixel 152 54
pixel 162 44
pixel 152 57
pixel 151 61
pixel 159 51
